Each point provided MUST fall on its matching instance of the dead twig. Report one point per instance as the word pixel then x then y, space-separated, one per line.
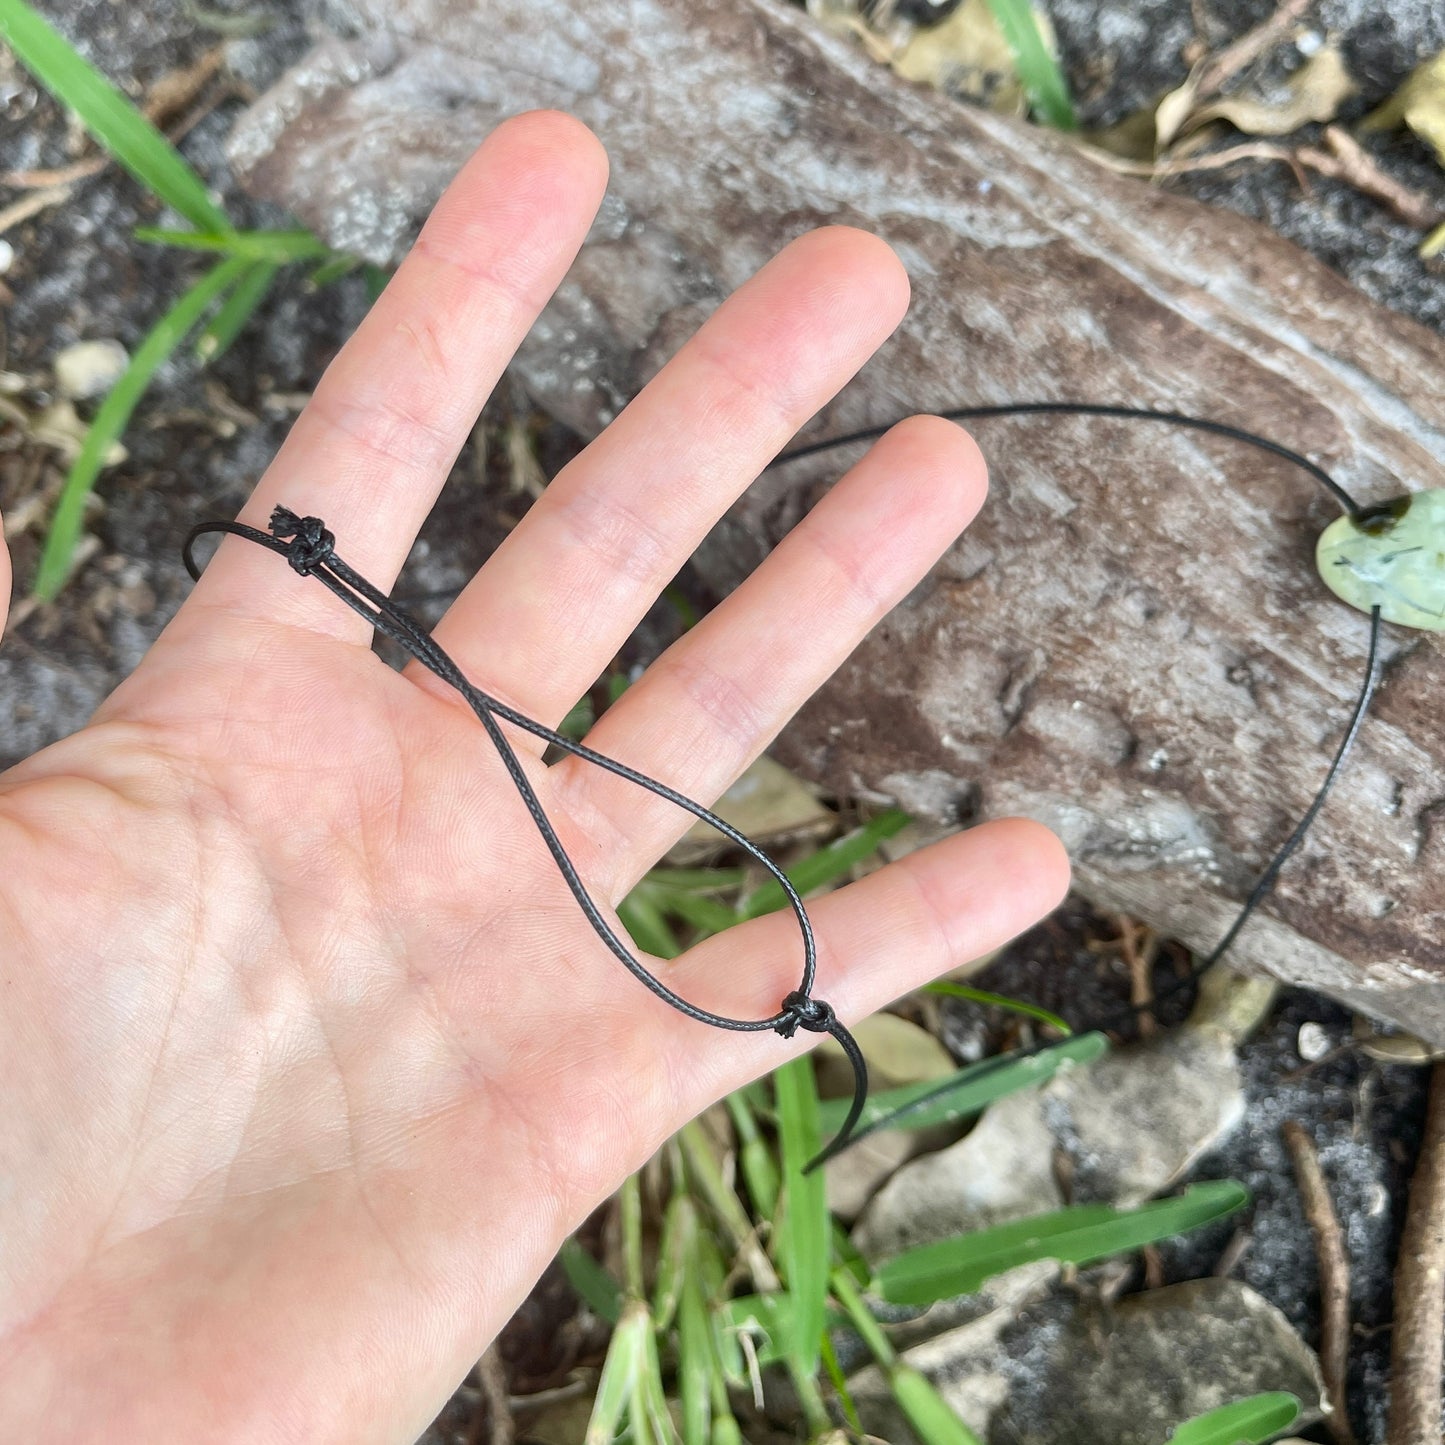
pixel 1347 160
pixel 1248 48
pixel 1163 170
pixel 494 1423
pixel 32 205
pixel 1415 1349
pixel 1334 1266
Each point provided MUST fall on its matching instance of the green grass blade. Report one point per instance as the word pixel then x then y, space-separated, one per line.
pixel 332 270
pixel 943 988
pixel 806 1234
pixel 841 1392
pixel 697 1367
pixel 931 1416
pixel 827 864
pixel 679 1225
pixel 1078 1235
pixel 597 1289
pixel 1245 1422
pixel 965 1093
pixel 114 414
pixel 755 1159
pixel 620 1375
pixel 698 880
pixel 705 914
pixel 1043 80
pixel 282 247
pixel 646 925
pixel 235 311
pixel 111 118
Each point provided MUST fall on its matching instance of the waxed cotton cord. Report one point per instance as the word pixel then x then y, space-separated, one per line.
pixel 311 551
pixel 1362 516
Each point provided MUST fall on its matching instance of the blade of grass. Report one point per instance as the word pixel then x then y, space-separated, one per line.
pixel 965 1093
pixel 827 864
pixel 943 988
pixel 108 115
pixel 1078 1235
pixel 332 270
pixel 1245 1422
pixel 755 1158
pixel 705 914
pixel 679 1224
pixel 235 311
pixel 282 247
pixel 931 1416
pixel 697 1368
pixel 620 1375
pixel 598 1290
pixel 839 1381
pixel 698 880
pixel 115 411
pixel 805 1236
pixel 646 925
pixel 1043 81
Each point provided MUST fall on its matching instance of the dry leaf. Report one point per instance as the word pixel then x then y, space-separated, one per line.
pixel 1419 104
pixel 897 1051
pixel 1171 114
pixel 966 56
pixel 768 804
pixel 59 426
pixel 1313 93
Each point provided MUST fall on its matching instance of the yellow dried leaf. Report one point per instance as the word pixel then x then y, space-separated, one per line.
pixel 1419 104
pixel 897 1051
pixel 967 56
pixel 1174 111
pixel 1313 93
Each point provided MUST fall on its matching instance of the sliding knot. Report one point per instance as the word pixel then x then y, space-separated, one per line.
pixel 311 544
pixel 802 1012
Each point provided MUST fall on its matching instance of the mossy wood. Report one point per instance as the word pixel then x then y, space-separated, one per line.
pixel 1132 643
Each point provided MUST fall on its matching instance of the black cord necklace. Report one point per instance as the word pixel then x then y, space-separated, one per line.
pixel 310 549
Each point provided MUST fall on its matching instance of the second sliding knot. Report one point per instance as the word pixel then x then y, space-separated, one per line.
pixel 802 1012
pixel 311 544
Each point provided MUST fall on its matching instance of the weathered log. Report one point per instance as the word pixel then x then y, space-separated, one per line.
pixel 1131 643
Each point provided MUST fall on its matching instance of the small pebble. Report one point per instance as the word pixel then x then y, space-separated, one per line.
pixel 1313 1043
pixel 89 368
pixel 7 256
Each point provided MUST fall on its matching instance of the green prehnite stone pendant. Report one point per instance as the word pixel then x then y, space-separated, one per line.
pixel 1392 557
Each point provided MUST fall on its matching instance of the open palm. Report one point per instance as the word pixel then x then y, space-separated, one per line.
pixel 308 1059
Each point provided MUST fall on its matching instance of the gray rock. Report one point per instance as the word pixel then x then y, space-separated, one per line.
pixel 1081 1372
pixel 1126 1126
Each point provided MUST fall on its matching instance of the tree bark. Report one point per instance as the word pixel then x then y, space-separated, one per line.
pixel 1131 643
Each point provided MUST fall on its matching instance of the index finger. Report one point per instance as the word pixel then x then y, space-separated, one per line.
pixel 375 443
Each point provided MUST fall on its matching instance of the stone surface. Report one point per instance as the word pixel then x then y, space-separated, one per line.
pixel 1124 1128
pixel 1131 644
pixel 1079 1371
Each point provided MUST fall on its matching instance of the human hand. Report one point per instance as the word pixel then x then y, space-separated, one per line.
pixel 308 1059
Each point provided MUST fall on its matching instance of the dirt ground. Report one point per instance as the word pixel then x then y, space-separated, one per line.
pixel 201 439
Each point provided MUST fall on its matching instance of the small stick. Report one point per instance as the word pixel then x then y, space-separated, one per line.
pixel 1415 1349
pixel 1347 160
pixel 1334 1265
pixel 492 1377
pixel 1248 48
